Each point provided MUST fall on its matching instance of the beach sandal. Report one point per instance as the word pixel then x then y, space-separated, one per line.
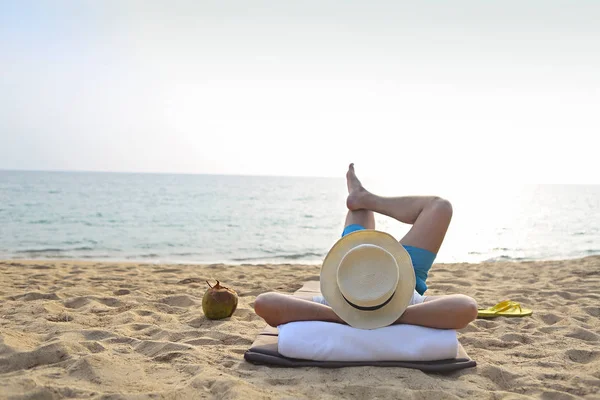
pixel 506 308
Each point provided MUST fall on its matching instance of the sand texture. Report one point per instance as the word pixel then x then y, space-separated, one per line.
pixel 112 330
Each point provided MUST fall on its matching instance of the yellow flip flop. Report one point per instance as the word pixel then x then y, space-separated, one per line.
pixel 506 308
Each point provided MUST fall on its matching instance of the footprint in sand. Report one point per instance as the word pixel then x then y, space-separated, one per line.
pixel 35 296
pixel 41 267
pixel 187 281
pixel 109 301
pixel 462 283
pixel 501 377
pixel 550 319
pixel 583 334
pixel 582 356
pixel 167 270
pixel 203 341
pixel 179 301
pixel 168 357
pixel 152 348
pixel 46 355
pixel 93 347
pixel 144 313
pixel 139 327
pixel 552 329
pixel 96 334
pixel 593 311
pixel 76 302
pixel 482 323
pixel 517 337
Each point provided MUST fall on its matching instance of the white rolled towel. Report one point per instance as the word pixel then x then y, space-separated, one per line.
pixel 328 341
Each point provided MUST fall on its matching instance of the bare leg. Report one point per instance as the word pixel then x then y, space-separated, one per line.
pixel 362 217
pixel 429 215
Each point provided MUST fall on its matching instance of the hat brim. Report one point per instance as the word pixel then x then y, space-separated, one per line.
pixel 387 314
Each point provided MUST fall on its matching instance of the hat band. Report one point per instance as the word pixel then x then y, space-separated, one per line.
pixel 372 308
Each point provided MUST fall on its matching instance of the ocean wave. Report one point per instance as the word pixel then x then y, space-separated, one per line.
pixel 39 251
pixel 41 222
pixel 298 256
pixel 506 258
pixel 149 255
pixel 48 256
pixel 74 242
pixel 301 255
pixel 244 259
pixel 53 250
pixel 84 248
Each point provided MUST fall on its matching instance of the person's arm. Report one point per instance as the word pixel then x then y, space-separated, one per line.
pixel 444 312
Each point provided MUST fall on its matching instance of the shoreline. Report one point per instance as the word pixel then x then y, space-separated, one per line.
pixel 129 330
pixel 270 262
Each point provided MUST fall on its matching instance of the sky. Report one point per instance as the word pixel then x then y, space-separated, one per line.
pixel 462 91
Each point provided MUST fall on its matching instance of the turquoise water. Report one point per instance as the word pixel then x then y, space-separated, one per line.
pixel 240 219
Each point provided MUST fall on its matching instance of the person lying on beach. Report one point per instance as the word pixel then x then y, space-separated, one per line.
pixel 365 275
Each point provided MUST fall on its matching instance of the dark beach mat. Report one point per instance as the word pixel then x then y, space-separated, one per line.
pixel 264 351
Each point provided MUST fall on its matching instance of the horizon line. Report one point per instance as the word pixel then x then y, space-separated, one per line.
pixel 254 175
pixel 166 173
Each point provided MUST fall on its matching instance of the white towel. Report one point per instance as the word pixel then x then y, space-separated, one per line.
pixel 328 341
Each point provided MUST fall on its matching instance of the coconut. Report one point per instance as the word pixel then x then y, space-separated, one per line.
pixel 219 301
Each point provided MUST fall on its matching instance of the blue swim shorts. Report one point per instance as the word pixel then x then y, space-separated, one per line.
pixel 422 259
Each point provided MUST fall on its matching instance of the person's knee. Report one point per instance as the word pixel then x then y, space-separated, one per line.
pixel 469 309
pixel 264 304
pixel 442 207
pixel 268 307
pixel 261 304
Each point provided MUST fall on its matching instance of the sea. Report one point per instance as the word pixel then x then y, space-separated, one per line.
pixel 177 218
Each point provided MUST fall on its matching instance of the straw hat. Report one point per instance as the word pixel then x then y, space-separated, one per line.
pixel 368 279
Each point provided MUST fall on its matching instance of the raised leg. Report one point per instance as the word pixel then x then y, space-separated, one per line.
pixel 362 217
pixel 429 215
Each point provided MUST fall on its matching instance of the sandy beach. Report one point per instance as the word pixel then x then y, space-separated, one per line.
pixel 117 330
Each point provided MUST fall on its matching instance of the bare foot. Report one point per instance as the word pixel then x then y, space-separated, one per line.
pixel 356 191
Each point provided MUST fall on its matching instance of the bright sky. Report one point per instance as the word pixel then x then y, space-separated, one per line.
pixel 475 91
